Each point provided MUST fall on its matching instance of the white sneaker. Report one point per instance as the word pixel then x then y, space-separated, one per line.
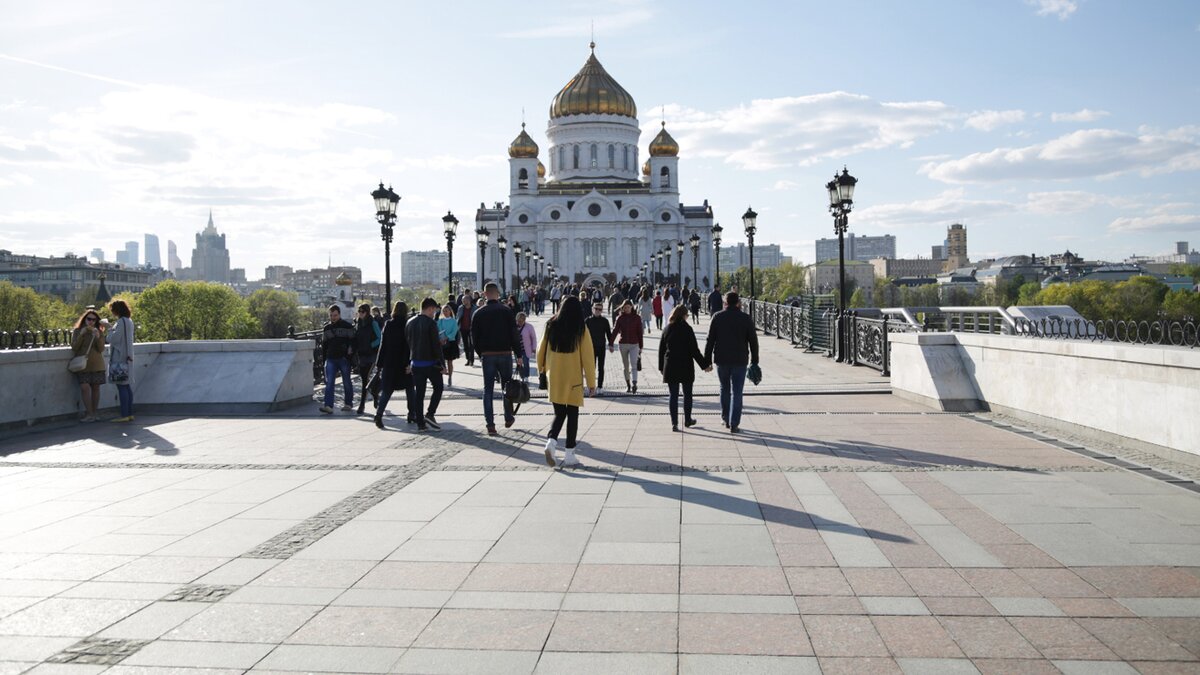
pixel 551 448
pixel 570 459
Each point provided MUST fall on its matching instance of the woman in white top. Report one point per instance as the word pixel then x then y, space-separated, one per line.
pixel 120 358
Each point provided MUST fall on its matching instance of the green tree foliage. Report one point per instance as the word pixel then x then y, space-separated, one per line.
pixel 1180 305
pixel 1183 270
pixel 274 310
pixel 858 299
pixel 1028 293
pixel 162 312
pixel 217 312
pixel 21 309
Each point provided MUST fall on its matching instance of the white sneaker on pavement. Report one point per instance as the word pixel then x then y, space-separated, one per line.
pixel 570 459
pixel 551 448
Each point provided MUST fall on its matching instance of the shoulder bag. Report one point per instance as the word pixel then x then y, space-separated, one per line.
pixel 79 363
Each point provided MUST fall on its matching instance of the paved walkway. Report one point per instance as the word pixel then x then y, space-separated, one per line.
pixel 842 532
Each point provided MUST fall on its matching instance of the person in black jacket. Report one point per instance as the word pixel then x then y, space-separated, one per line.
pixel 677 352
pixel 601 332
pixel 427 364
pixel 337 342
pixel 366 345
pixel 730 335
pixel 714 301
pixel 494 337
pixel 693 304
pixel 392 362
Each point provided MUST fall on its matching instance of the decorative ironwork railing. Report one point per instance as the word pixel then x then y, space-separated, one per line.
pixel 1185 333
pixel 318 351
pixel 802 323
pixel 34 339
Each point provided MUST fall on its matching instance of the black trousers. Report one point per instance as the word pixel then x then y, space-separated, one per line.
pixel 674 388
pixel 420 376
pixel 570 414
pixel 599 366
pixel 658 322
pixel 468 347
pixel 369 385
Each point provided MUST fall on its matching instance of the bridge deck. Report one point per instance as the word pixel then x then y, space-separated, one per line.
pixel 842 532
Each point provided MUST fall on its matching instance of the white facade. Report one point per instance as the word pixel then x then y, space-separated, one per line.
pixel 598 214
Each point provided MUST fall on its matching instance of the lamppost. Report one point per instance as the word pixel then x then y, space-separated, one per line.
pixel 841 201
pixel 528 257
pixel 695 242
pixel 541 269
pixel 644 270
pixel 450 225
pixel 679 249
pixel 517 264
pixel 659 272
pixel 385 212
pixel 503 244
pixel 481 235
pixel 667 252
pixel 749 221
pixel 550 270
pixel 716 236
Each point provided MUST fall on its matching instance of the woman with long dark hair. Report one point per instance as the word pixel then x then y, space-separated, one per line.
pixel 677 351
pixel 88 340
pixel 120 357
pixel 565 355
pixel 392 362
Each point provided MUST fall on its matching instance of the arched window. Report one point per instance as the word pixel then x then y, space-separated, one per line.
pixel 523 179
pixel 665 177
pixel 575 155
pixel 612 156
pixel 625 153
pixel 595 159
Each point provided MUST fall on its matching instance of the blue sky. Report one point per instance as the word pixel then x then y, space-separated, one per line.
pixel 1042 125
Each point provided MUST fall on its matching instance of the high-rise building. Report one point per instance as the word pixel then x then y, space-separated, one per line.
pixel 423 268
pixel 210 258
pixel 735 256
pixel 956 248
pixel 276 274
pixel 98 255
pixel 864 249
pixel 174 264
pixel 938 252
pixel 131 254
pixel 153 258
pixel 1181 248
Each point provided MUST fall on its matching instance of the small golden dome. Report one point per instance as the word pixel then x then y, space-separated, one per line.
pixel 593 92
pixel 522 146
pixel 343 279
pixel 663 145
pixel 646 168
pixel 541 169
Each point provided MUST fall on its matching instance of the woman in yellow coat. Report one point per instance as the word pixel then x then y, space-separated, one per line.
pixel 565 355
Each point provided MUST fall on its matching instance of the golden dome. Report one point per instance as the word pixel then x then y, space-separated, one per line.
pixel 663 145
pixel 593 92
pixel 646 168
pixel 522 146
pixel 541 169
pixel 343 279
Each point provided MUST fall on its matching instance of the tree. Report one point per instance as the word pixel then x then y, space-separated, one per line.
pixel 217 312
pixel 22 309
pixel 885 294
pixel 274 310
pixel 163 312
pixel 858 299
pixel 1182 305
pixel 1028 293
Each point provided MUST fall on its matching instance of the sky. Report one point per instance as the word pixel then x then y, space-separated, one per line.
pixel 1042 125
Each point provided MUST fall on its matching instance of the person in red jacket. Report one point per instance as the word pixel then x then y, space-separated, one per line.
pixel 658 309
pixel 629 329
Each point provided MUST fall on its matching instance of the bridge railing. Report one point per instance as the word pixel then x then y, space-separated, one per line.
pixel 35 339
pixel 318 351
pixel 803 323
pixel 1164 332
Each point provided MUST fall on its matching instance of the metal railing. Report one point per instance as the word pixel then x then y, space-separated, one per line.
pixel 34 339
pixel 1184 333
pixel 318 351
pixel 802 324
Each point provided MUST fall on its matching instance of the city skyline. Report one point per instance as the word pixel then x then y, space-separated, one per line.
pixel 1073 135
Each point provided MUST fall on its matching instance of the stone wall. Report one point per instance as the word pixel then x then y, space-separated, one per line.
pixel 183 377
pixel 1143 395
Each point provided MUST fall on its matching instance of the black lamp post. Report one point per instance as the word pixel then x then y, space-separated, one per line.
pixel 528 257
pixel 750 223
pixel 679 249
pixel 503 244
pixel 643 270
pixel 695 243
pixel 658 274
pixel 450 226
pixel 385 212
pixel 841 201
pixel 517 264
pixel 481 235
pixel 667 253
pixel 716 236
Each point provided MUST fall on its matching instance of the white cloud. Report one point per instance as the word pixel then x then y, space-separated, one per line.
pixel 784 185
pixel 1059 8
pixel 1085 115
pixel 989 120
pixel 1080 154
pixel 1161 222
pixel 804 130
pixel 947 207
pixel 1071 201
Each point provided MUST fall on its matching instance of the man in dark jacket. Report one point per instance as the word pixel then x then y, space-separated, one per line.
pixel 366 345
pixel 714 301
pixel 601 333
pixel 426 364
pixel 337 343
pixel 730 335
pixel 495 338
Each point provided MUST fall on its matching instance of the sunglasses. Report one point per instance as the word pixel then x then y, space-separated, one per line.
pixel 89 318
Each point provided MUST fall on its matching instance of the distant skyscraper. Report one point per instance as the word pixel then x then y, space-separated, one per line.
pixel 423 268
pixel 956 247
pixel 98 254
pixel 152 252
pixel 210 258
pixel 129 256
pixel 173 262
pixel 864 249
pixel 938 252
pixel 1181 247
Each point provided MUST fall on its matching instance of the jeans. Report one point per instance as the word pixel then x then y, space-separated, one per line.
pixel 386 388
pixel 364 374
pixel 645 325
pixel 570 414
pixel 420 376
pixel 733 379
pixel 674 401
pixel 332 368
pixel 496 368
pixel 125 396
pixel 629 357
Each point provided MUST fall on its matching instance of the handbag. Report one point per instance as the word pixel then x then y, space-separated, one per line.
pixel 754 373
pixel 118 373
pixel 78 364
pixel 542 382
pixel 516 392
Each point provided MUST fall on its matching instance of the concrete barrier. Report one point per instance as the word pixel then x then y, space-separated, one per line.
pixel 183 377
pixel 1145 396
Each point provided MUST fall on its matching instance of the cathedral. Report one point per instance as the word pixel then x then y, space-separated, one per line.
pixel 596 214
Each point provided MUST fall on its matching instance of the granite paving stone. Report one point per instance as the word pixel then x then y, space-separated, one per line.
pixel 916 637
pixel 487 629
pixel 614 631
pixel 767 634
pixel 363 626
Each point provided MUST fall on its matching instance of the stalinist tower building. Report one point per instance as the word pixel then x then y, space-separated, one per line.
pixel 597 214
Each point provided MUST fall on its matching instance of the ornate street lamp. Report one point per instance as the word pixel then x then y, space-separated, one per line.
pixel 695 242
pixel 528 257
pixel 750 223
pixel 502 243
pixel 716 239
pixel 517 264
pixel 481 235
pixel 679 249
pixel 841 201
pixel 386 200
pixel 667 253
pixel 450 226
